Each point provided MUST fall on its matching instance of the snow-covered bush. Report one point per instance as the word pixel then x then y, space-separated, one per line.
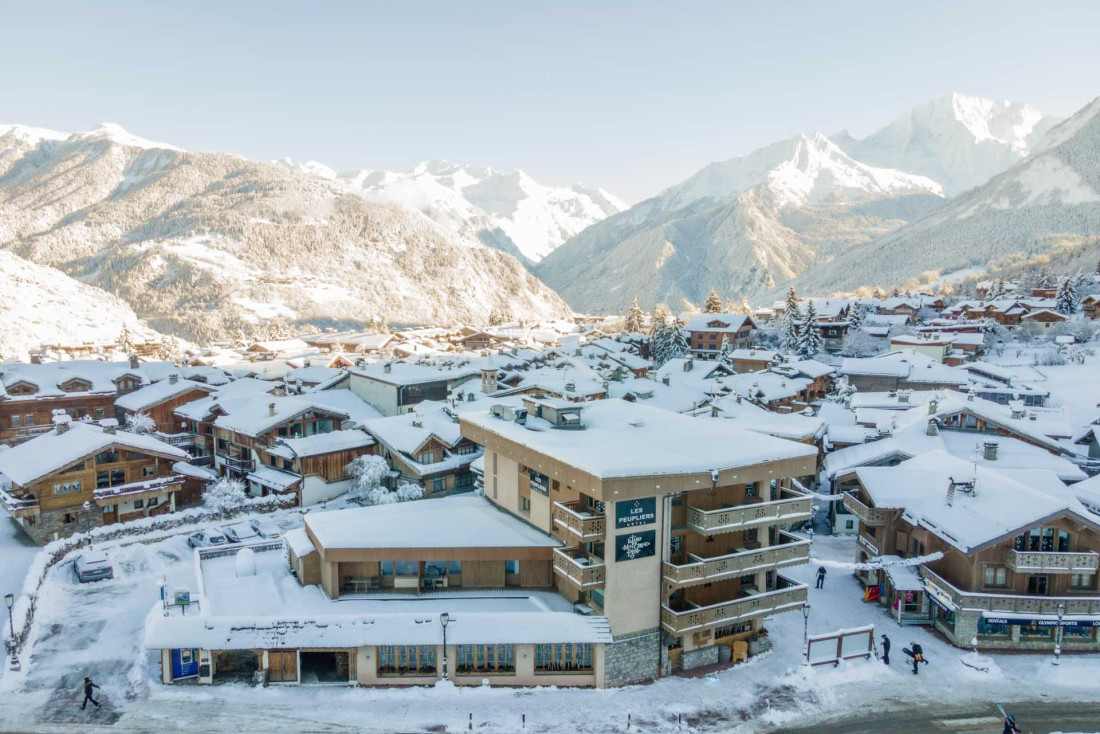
pixel 140 423
pixel 225 495
pixel 367 471
pixel 859 343
pixel 407 491
pixel 1077 354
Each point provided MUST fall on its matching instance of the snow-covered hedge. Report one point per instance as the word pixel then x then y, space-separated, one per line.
pixel 144 530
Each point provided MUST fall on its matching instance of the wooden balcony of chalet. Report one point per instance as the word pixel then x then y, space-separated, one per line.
pixel 686 614
pixel 1051 562
pixel 1029 604
pixel 789 551
pixel 869 516
pixel 583 522
pixel 793 507
pixel 584 569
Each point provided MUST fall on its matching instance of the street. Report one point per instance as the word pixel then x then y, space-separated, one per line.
pixel 1031 718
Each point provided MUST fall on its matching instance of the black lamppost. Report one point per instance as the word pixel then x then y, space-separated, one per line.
pixel 444 619
pixel 9 601
pixel 805 623
pixel 88 521
pixel 1058 634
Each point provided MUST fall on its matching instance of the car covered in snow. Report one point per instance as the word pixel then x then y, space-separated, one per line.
pixel 239 532
pixel 266 528
pixel 93 565
pixel 206 538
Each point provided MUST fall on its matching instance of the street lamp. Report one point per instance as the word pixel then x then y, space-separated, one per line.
pixel 444 620
pixel 1058 634
pixel 805 623
pixel 88 521
pixel 9 601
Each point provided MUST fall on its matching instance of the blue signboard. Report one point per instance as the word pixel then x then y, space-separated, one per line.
pixel 631 513
pixel 539 482
pixel 1029 622
pixel 632 546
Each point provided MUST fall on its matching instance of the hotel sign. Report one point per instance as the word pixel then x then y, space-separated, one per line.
pixel 632 546
pixel 540 483
pixel 631 513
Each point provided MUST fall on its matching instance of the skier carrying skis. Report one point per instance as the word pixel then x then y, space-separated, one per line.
pixel 1010 726
pixel 918 655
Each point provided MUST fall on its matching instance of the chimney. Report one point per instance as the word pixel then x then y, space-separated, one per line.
pixel 666 380
pixel 951 493
pixel 61 420
pixel 173 378
pixel 903 396
pixel 689 363
pixel 714 408
pixel 737 398
pixel 305 363
pixel 933 428
pixel 133 362
pixel 970 396
pixel 110 428
pixel 386 368
pixel 989 450
pixel 933 406
pixel 271 409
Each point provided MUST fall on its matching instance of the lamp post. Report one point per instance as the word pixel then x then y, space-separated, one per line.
pixel 88 521
pixel 444 620
pixel 1058 634
pixel 805 623
pixel 9 601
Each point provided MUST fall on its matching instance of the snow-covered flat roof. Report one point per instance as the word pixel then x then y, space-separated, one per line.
pixel 403 373
pixel 622 439
pixel 460 521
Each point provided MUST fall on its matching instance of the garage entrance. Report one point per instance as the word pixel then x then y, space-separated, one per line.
pixel 325 666
pixel 237 666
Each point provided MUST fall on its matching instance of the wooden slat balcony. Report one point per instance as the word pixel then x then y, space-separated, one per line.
pixel 742 517
pixel 790 551
pixel 870 516
pixel 582 522
pixel 19 506
pixel 788 595
pixel 1016 603
pixel 579 566
pixel 1051 562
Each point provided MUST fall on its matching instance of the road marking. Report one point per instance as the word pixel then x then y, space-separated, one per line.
pixel 971 723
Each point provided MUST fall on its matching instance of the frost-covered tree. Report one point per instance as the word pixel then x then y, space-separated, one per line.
pixel 170 350
pixel 140 423
pixel 337 348
pixel 678 343
pixel 634 320
pixel 498 316
pixel 407 492
pixel 1083 330
pixel 855 317
pixel 1065 302
pixel 858 343
pixel 367 471
pixel 809 337
pixel 788 331
pixel 660 342
pixel 996 290
pixel 225 495
pixel 713 303
pixel 726 355
pixel 125 342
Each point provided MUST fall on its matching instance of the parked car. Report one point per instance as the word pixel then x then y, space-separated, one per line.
pixel 266 528
pixel 93 565
pixel 205 539
pixel 239 532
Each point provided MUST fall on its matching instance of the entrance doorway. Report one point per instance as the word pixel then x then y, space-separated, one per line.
pixel 325 666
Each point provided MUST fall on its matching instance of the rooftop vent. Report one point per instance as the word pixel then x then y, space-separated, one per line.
pixel 636 422
pixel 989 450
pixel 271 409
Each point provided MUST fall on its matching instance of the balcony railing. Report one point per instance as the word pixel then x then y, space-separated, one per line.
pixel 870 516
pixel 18 506
pixel 788 595
pixel 579 520
pixel 582 568
pixel 791 551
pixel 19 431
pixel 1051 562
pixel 176 439
pixel 1029 604
pixel 728 519
pixel 239 464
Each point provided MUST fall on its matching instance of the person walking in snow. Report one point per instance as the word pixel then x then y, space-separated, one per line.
pixel 1010 726
pixel 88 686
pixel 918 656
pixel 885 649
pixel 820 577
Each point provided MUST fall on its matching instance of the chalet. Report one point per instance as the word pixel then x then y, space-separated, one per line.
pixel 160 400
pixel 1012 558
pixel 197 416
pixel 80 476
pixel 752 360
pixel 1045 318
pixel 707 332
pixel 426 447
pixel 1090 306
pixel 936 346
pixel 395 387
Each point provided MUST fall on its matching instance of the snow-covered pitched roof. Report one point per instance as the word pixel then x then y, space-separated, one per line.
pixel 408 431
pixel 44 454
pixel 404 373
pixel 718 322
pixel 146 397
pixel 246 387
pixel 313 374
pixel 48 377
pixel 326 443
pixel 459 521
pixel 794 426
pixel 622 439
pixel 344 400
pixel 263 412
pixel 272 478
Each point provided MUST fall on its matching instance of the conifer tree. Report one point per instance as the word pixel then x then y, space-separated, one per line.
pixel 125 343
pixel 713 304
pixel 660 341
pixel 1066 299
pixel 634 321
pixel 726 355
pixel 855 317
pixel 788 335
pixel 809 338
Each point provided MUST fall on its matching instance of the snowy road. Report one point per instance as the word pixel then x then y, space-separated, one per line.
pixel 1033 718
pixel 16 553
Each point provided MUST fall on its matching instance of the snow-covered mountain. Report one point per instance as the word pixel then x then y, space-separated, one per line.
pixel 41 306
pixel 959 141
pixel 200 244
pixel 507 210
pixel 1050 196
pixel 739 226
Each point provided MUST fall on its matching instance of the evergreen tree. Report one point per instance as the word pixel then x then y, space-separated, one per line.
pixel 788 333
pixel 726 354
pixel 125 343
pixel 713 304
pixel 855 317
pixel 809 338
pixel 634 321
pixel 660 342
pixel 1066 299
pixel 677 339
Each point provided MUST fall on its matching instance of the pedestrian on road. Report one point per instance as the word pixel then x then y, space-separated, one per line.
pixel 886 649
pixel 918 656
pixel 820 577
pixel 88 686
pixel 1010 726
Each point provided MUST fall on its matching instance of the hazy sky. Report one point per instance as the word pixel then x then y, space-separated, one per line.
pixel 629 96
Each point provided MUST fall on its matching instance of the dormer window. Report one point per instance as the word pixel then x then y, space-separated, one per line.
pixel 76 385
pixel 22 388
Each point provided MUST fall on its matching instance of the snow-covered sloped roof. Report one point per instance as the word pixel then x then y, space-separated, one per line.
pixel 48 377
pixel 326 443
pixel 408 431
pixel 198 472
pixel 242 389
pixel 51 451
pixel 459 521
pixel 718 322
pixel 344 400
pixel 793 426
pixel 754 354
pixel 314 373
pixel 146 397
pixel 765 386
pixel 404 373
pixel 298 541
pixel 263 412
pixel 622 439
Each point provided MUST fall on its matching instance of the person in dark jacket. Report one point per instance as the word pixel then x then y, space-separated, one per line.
pixel 820 577
pixel 918 656
pixel 88 686
pixel 886 649
pixel 1010 726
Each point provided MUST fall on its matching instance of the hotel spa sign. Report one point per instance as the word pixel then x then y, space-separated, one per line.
pixel 632 513
pixel 632 546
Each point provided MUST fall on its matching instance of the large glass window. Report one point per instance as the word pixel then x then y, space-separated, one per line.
pixel 387 568
pixel 511 567
pixel 1063 541
pixel 1034 630
pixel 66 488
pixel 1081 581
pixel 564 658
pixel 1038 584
pixel 454 567
pixel 1080 633
pixel 107 457
pixel 406 660
pixel 435 568
pixel 486 659
pixel 1048 540
pixel 407 568
pixel 991 629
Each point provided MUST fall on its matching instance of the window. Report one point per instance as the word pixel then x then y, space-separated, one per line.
pixel 99 412
pixel 439 484
pixel 109 456
pixel 138 504
pixel 406 659
pixel 511 568
pixel 28 419
pixel 1081 581
pixel 454 567
pixel 465 479
pixel 1081 632
pixel 564 658
pixel 70 517
pixel 407 568
pixel 995 576
pixel 387 568
pixel 486 659
pixel 524 504
pixel 153 502
pixel 465 449
pixel 991 629
pixel 148 471
pixel 273 461
pixel 1063 541
pixel 66 488
pixel 1048 540
pixel 427 457
pixel 1034 630
pixel 435 568
pixel 288 465
pixel 16 421
pixel 1037 584
pixel 750 490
